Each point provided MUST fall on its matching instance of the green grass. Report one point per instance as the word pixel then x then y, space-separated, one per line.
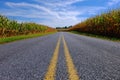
pixel 15 38
pixel 96 36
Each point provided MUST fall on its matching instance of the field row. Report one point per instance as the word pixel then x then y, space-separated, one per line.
pixel 106 24
pixel 12 28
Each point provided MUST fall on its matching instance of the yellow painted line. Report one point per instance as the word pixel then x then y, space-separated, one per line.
pixel 70 66
pixel 50 75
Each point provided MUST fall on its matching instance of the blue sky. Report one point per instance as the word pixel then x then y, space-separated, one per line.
pixel 55 13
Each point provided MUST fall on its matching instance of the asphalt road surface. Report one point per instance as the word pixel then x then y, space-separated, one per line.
pixel 60 56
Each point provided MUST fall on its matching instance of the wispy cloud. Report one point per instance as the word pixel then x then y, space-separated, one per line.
pixel 57 14
pixel 23 4
pixel 33 6
pixel 113 2
pixel 52 12
pixel 59 2
pixel 55 17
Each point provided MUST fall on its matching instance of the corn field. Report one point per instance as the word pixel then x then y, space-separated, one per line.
pixel 106 24
pixel 11 27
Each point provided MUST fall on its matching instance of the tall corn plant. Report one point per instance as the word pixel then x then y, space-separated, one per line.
pixel 107 24
pixel 4 22
pixel 11 27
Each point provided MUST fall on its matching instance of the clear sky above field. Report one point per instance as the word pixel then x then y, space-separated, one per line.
pixel 55 13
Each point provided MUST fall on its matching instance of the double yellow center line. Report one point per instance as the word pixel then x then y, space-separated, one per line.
pixel 50 75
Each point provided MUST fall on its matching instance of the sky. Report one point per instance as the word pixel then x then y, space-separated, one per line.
pixel 55 13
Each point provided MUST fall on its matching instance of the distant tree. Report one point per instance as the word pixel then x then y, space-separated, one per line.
pixel 65 27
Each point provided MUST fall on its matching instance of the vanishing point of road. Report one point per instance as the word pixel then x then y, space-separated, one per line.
pixel 60 56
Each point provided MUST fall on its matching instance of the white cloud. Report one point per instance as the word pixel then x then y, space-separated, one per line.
pixel 28 5
pixel 33 6
pixel 57 14
pixel 61 23
pixel 59 2
pixel 52 12
pixel 113 2
pixel 24 13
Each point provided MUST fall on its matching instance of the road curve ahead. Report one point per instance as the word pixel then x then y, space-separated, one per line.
pixel 60 56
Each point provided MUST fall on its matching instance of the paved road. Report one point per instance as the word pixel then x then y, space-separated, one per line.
pixel 61 56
